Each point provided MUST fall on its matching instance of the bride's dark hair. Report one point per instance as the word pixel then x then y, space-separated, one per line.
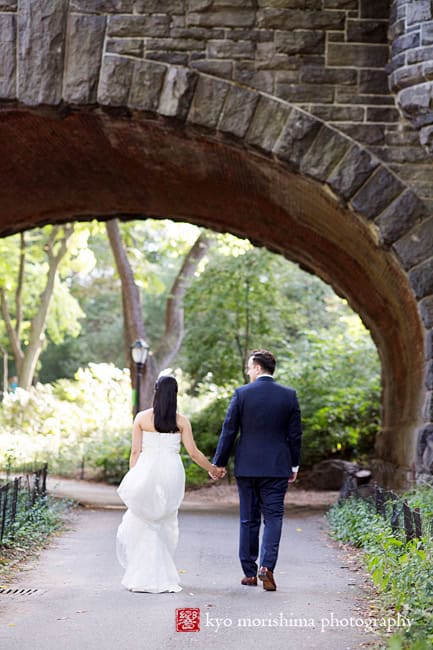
pixel 165 405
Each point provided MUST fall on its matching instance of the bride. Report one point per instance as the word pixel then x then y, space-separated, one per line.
pixel 153 490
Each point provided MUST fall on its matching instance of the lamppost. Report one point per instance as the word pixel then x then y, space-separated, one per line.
pixel 139 352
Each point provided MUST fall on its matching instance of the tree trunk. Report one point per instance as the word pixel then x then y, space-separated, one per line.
pixel 133 325
pixel 38 325
pixel 167 347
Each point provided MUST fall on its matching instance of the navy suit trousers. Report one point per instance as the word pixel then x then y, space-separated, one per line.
pixel 260 496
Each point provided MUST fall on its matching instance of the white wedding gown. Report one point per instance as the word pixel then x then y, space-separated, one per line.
pixel 147 536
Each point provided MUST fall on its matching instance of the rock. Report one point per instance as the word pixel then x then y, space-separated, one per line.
pixel 353 171
pixel 208 101
pixel 42 32
pixel 331 474
pixel 238 111
pixel 8 56
pixel 177 92
pixel 83 61
pixel 267 124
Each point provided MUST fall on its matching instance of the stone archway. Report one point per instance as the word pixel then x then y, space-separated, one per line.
pixel 204 150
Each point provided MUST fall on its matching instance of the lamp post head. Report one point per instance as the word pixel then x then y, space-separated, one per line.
pixel 139 351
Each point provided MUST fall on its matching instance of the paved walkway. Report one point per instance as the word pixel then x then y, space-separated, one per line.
pixel 80 603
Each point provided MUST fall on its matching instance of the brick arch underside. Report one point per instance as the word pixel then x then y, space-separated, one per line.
pixel 103 163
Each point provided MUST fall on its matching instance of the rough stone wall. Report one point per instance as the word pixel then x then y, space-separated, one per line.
pixel 411 65
pixel 326 56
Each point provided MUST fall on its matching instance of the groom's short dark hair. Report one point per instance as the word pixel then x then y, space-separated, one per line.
pixel 265 359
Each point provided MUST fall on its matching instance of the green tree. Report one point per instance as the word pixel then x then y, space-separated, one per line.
pixel 34 294
pixel 165 348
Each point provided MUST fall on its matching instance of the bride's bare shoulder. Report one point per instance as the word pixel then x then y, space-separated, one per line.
pixel 145 418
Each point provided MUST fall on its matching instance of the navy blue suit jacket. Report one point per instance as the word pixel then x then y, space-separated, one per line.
pixel 269 420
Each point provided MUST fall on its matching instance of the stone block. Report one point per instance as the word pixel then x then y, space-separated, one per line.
pixel 324 154
pixel 178 44
pixel 405 42
pixel 174 58
pixel 8 5
pixel 216 68
pixel 367 31
pixel 377 9
pixel 429 379
pixel 427 412
pixel 125 46
pixel 373 82
pixel 85 38
pixel 354 169
pixel 224 49
pixel 416 103
pixel 377 193
pixel 400 216
pixel 41 38
pixel 197 33
pixel 317 74
pixel 419 55
pixel 305 94
pixel 381 114
pixel 288 19
pixel 426 310
pixel 208 101
pixel 146 84
pixel 297 137
pixel 418 12
pixel 332 113
pixel 396 29
pixel 417 245
pixel 357 55
pixel 102 6
pixel 136 26
pixel 206 5
pixel 426 137
pixel 340 4
pixel 300 42
pixel 427 34
pixel 371 134
pixel 8 56
pixel 176 7
pixel 421 279
pixel 292 4
pixel 177 92
pixel 115 80
pixel 267 123
pixel 408 76
pixel 238 111
pixel 224 18
pixel 428 346
pixel 246 73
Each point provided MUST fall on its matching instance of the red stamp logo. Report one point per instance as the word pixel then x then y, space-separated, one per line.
pixel 188 619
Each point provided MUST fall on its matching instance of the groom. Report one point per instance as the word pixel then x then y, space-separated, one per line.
pixel 266 460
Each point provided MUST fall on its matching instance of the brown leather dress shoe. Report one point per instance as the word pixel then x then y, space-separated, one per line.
pixel 267 577
pixel 249 581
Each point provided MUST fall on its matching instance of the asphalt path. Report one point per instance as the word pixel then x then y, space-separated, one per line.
pixel 75 599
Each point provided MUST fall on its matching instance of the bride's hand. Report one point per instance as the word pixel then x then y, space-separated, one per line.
pixel 217 472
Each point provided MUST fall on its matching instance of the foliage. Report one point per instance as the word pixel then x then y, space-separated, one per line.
pixel 69 422
pixel 402 571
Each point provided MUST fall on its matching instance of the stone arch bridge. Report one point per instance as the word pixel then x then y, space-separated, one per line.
pixel 305 125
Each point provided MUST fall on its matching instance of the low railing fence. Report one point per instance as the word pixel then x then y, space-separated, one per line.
pixel 391 506
pixel 21 491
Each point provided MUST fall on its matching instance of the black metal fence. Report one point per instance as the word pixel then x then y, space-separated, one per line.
pixel 391 506
pixel 24 490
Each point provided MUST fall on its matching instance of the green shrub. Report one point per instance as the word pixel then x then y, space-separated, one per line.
pixel 403 571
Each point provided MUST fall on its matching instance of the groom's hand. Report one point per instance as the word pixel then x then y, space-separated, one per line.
pixel 217 472
pixel 292 479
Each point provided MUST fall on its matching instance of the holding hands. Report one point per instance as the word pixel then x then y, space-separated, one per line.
pixel 217 472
